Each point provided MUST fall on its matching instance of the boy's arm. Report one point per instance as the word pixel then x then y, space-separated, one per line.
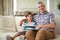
pixel 20 23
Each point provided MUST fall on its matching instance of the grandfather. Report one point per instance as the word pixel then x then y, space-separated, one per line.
pixel 45 25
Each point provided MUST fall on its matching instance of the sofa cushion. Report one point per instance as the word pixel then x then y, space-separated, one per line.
pixel 18 19
pixel 56 38
pixel 7 24
pixel 57 29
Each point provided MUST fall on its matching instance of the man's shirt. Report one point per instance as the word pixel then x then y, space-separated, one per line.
pixel 46 18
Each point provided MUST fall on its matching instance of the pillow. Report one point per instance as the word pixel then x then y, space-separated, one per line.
pixel 57 18
pixel 18 19
pixel 7 23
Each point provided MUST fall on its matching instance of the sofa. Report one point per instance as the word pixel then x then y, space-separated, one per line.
pixel 9 25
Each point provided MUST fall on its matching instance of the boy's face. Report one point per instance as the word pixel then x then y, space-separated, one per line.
pixel 29 17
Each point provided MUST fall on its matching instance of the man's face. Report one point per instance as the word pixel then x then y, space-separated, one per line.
pixel 41 7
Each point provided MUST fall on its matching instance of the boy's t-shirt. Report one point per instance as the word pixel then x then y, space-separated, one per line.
pixel 29 26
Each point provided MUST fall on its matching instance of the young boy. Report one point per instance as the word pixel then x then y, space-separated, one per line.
pixel 28 25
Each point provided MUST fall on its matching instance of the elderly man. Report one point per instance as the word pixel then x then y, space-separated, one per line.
pixel 45 25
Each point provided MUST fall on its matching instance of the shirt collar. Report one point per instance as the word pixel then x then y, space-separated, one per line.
pixel 45 12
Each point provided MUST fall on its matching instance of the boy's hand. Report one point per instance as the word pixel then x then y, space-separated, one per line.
pixel 20 23
pixel 37 28
pixel 24 20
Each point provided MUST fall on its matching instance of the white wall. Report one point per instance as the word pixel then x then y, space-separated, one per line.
pixel 30 5
pixel 53 7
pixel 56 10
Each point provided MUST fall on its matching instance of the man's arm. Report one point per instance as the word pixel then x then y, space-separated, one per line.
pixel 52 22
pixel 51 25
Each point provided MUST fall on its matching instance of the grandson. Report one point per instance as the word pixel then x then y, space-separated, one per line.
pixel 27 25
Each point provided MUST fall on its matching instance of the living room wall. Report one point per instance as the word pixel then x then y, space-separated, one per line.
pixel 30 5
pixel 53 7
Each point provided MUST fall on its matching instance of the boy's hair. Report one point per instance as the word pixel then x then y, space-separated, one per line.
pixel 28 13
pixel 40 2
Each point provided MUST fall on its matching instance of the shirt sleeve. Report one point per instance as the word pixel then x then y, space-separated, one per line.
pixel 52 18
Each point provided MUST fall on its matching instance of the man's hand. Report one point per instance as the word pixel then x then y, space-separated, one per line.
pixel 51 25
pixel 39 27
